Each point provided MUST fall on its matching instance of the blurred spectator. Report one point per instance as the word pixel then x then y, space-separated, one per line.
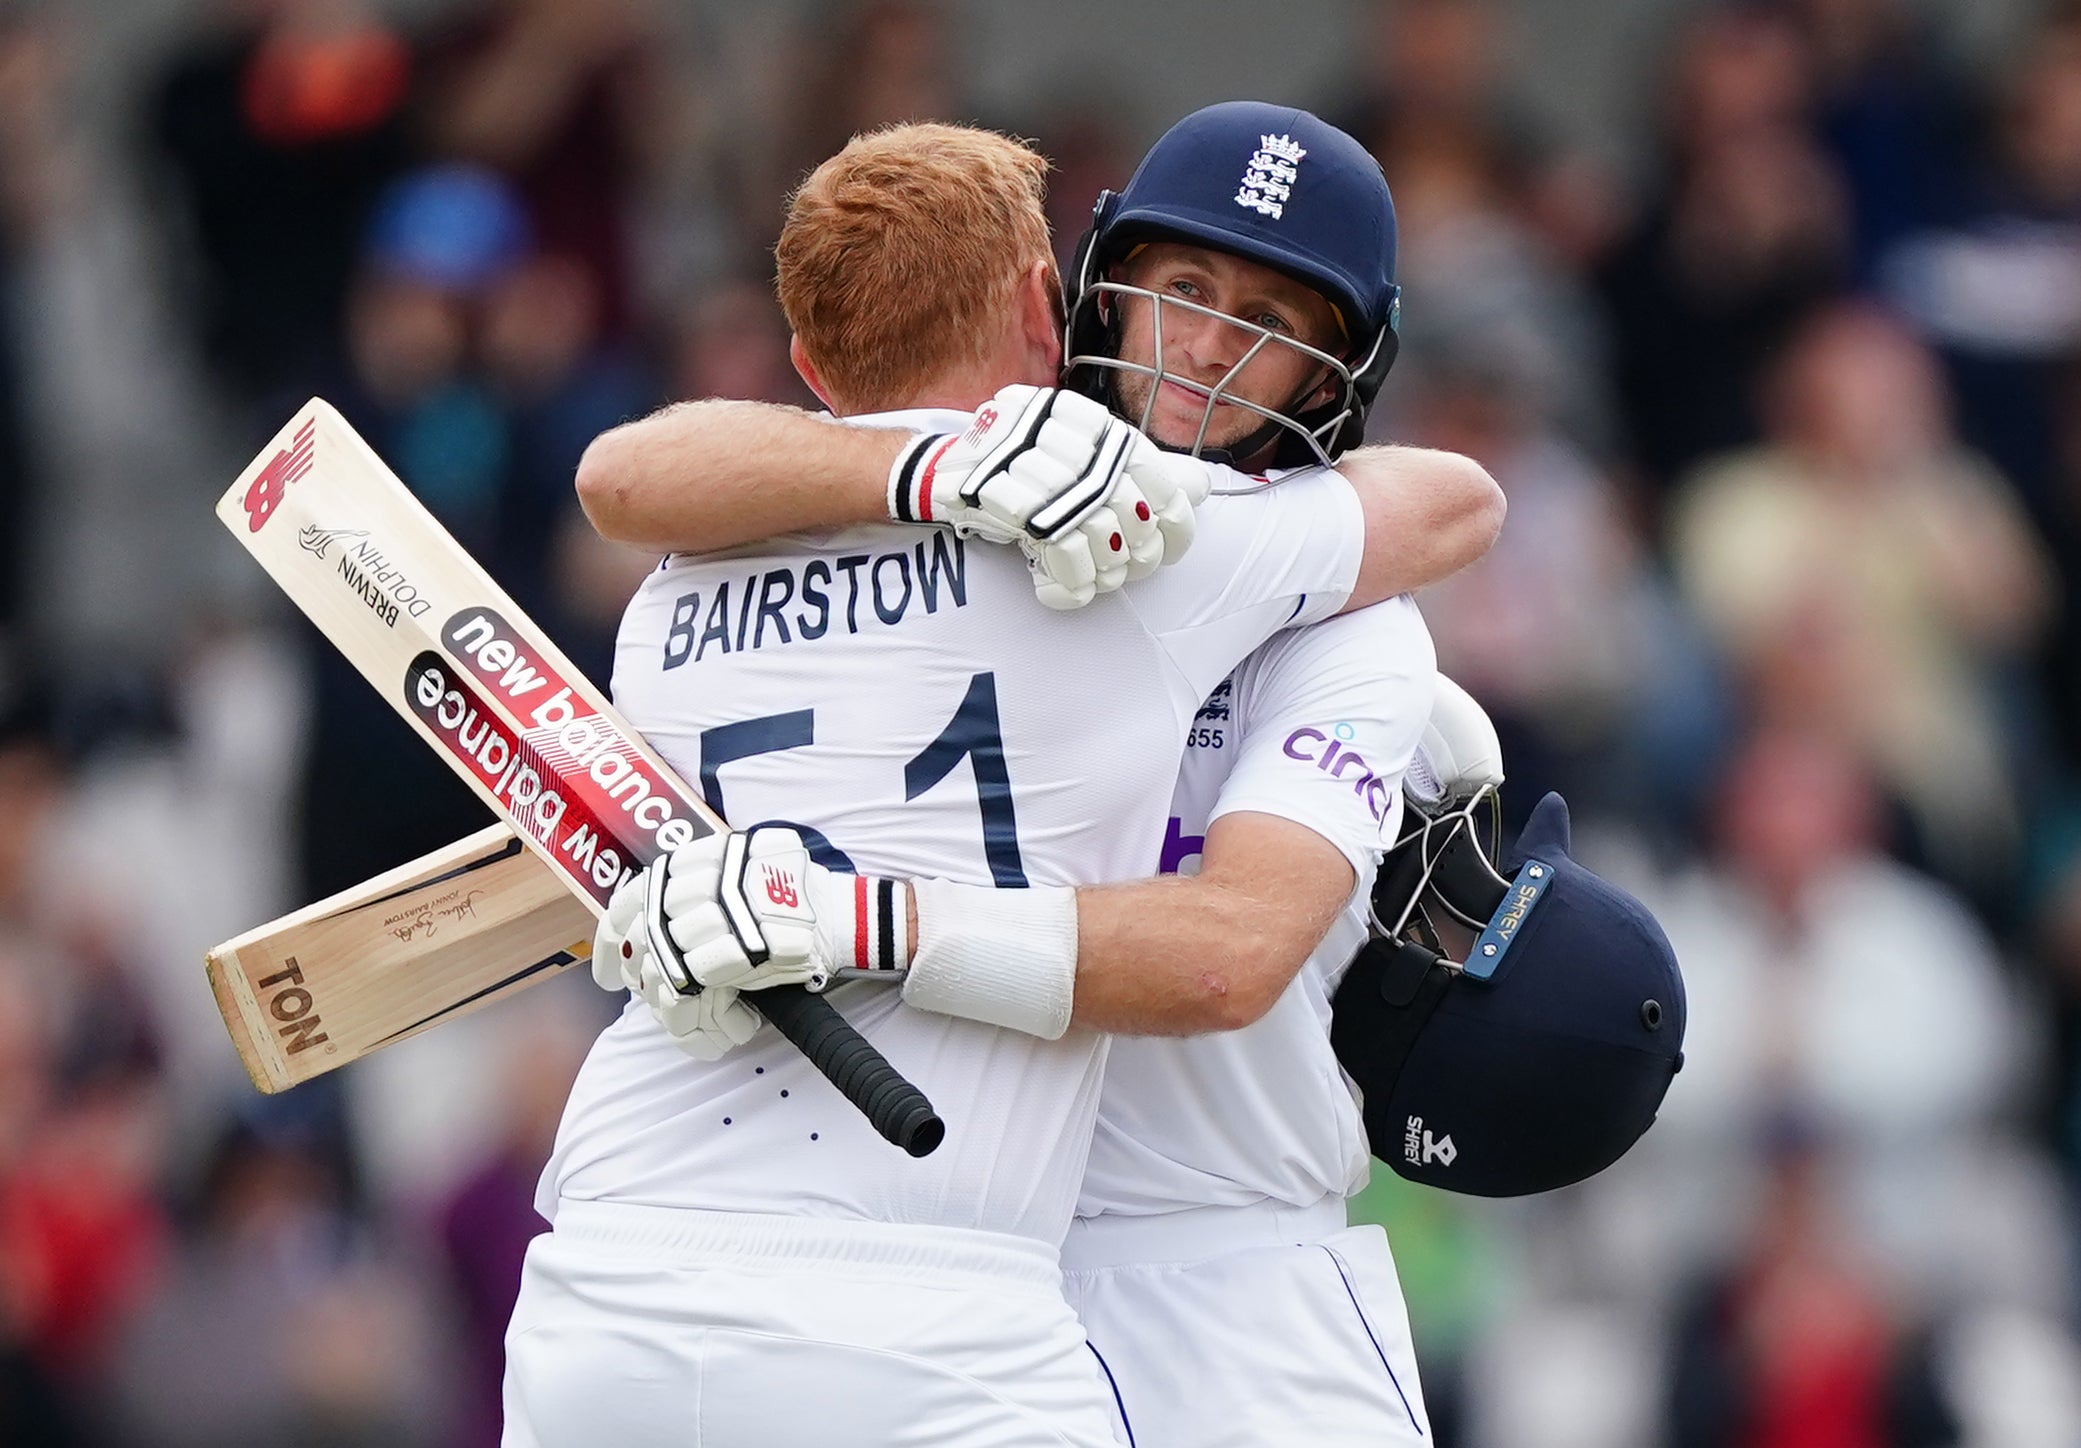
pixel 1432 81
pixel 560 383
pixel 331 1345
pixel 862 64
pixel 1887 115
pixel 33 1408
pixel 279 123
pixel 1995 281
pixel 1462 163
pixel 27 161
pixel 1477 276
pixel 733 342
pixel 1794 1343
pixel 1088 152
pixel 1747 229
pixel 81 1121
pixel 1561 631
pixel 1829 983
pixel 1439 88
pixel 1872 578
pixel 2059 676
pixel 570 101
pixel 441 241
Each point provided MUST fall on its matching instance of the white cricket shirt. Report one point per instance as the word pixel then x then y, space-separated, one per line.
pixel 1316 727
pixel 903 695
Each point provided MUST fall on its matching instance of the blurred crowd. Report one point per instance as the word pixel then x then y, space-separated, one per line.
pixel 1788 411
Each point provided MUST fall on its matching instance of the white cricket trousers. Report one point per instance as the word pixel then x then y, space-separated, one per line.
pixel 1263 1326
pixel 641 1326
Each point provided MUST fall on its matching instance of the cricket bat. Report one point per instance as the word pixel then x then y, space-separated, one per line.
pixel 488 692
pixel 438 938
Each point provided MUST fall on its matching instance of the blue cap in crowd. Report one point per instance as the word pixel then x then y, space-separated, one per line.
pixel 454 227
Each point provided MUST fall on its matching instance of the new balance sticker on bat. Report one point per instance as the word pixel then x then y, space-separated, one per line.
pixel 266 491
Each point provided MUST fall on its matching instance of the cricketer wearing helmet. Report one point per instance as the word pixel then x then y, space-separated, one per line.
pixel 735 1257
pixel 1237 300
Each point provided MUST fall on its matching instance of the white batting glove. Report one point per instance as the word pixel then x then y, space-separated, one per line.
pixel 618 942
pixel 1459 754
pixel 707 1024
pixel 1091 502
pixel 748 911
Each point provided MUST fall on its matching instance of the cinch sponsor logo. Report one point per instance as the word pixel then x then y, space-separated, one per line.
pixel 1332 757
pixel 287 1001
pixel 585 753
pixel 265 493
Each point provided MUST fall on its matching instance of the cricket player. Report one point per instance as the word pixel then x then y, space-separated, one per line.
pixel 735 1257
pixel 1215 1191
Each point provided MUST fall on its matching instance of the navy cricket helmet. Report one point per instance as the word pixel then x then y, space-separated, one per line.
pixel 1540 1059
pixel 1273 185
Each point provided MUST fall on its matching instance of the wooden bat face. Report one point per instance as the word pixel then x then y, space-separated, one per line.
pixel 425 943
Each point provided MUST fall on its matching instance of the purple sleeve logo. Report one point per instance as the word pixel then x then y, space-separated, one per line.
pixel 1333 757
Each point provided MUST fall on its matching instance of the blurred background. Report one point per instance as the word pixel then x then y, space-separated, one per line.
pixel 1767 316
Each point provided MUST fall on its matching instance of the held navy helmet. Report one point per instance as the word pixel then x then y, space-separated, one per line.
pixel 1276 186
pixel 1542 1057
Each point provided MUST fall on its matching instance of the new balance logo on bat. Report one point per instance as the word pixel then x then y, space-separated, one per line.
pixel 565 760
pixel 265 493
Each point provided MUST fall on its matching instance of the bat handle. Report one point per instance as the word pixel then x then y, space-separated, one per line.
pixel 894 1107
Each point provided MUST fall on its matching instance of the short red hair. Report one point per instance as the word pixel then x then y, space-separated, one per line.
pixel 902 254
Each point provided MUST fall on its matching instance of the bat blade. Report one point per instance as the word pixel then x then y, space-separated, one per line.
pixel 425 943
pixel 488 692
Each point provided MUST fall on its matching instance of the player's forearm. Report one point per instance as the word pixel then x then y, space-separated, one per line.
pixel 1166 956
pixel 1181 956
pixel 1428 515
pixel 1187 954
pixel 698 476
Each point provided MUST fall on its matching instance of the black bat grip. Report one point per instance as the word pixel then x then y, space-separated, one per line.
pixel 894 1107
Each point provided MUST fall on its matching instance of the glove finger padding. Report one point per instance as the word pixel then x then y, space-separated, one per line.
pixel 1111 565
pixel 1064 576
pixel 618 942
pixel 706 1025
pixel 678 885
pixel 1174 487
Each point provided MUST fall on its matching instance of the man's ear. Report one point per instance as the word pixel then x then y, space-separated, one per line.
pixel 806 370
pixel 1039 318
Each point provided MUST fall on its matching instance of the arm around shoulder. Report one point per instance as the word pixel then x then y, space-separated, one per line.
pixel 698 476
pixel 1428 515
